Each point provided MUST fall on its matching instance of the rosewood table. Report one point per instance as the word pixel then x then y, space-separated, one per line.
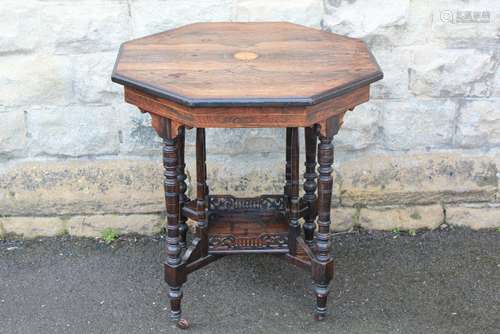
pixel 247 75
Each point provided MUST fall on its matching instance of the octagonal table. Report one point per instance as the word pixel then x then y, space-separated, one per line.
pixel 247 75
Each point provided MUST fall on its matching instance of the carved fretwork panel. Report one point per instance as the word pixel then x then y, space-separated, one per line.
pixel 265 202
pixel 234 242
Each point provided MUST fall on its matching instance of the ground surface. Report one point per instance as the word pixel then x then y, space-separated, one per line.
pixel 435 282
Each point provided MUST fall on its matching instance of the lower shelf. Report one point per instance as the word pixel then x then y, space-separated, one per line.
pixel 247 225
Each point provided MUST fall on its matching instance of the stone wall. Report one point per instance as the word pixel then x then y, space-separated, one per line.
pixel 75 159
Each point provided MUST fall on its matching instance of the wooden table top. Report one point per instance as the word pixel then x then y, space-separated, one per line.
pixel 245 65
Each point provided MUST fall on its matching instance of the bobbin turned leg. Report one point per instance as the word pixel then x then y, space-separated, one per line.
pixel 181 177
pixel 310 176
pixel 173 241
pixel 288 167
pixel 201 191
pixel 322 264
pixel 174 275
pixel 292 187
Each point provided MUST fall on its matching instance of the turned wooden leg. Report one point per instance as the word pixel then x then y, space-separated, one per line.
pixel 293 188
pixel 173 273
pixel 288 167
pixel 323 263
pixel 181 178
pixel 201 190
pixel 310 176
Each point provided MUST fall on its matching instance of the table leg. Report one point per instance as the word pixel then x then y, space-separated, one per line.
pixel 181 178
pixel 310 176
pixel 201 190
pixel 323 266
pixel 173 261
pixel 293 188
pixel 288 166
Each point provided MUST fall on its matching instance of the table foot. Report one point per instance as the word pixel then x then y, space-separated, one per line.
pixel 175 296
pixel 321 292
pixel 183 324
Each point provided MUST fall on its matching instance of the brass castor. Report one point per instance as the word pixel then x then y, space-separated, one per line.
pixel 183 324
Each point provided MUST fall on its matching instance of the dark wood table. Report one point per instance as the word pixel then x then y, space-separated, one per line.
pixel 247 75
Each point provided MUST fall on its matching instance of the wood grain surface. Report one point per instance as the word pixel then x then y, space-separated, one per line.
pixel 245 64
